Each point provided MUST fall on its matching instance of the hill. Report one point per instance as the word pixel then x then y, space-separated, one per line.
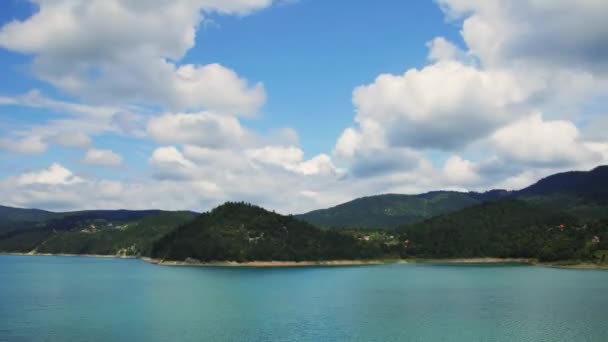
pixel 243 232
pixel 18 218
pixel 583 194
pixel 594 182
pixel 107 232
pixel 505 228
pixel 391 210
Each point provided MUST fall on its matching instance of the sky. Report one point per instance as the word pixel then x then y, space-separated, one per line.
pixel 294 105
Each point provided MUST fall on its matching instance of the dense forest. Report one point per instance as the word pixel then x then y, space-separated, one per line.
pixel 390 210
pixel 583 194
pixel 245 232
pixel 510 229
pixel 117 232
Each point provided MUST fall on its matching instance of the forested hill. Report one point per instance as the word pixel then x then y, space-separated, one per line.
pixel 583 194
pixel 507 228
pixel 244 232
pixel 573 182
pixel 13 219
pixel 17 218
pixel 391 210
pixel 107 232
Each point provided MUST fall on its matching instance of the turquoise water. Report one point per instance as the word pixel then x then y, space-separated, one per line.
pixel 90 299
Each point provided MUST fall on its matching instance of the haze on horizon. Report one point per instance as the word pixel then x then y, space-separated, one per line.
pixel 293 104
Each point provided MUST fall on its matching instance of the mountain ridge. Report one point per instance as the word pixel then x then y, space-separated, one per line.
pixel 581 193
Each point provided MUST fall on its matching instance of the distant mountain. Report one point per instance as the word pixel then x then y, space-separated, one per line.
pixel 127 232
pixel 24 215
pixel 583 194
pixel 243 232
pixel 391 210
pixel 594 182
pixel 18 218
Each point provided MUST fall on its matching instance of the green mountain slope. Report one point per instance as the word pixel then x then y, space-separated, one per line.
pixel 391 210
pixel 594 182
pixel 243 232
pixel 18 218
pixel 583 194
pixel 25 215
pixel 505 228
pixel 107 232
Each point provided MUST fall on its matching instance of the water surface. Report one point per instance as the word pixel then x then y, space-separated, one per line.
pixel 91 299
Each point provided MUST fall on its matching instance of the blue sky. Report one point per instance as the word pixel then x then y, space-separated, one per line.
pixel 294 105
pixel 312 54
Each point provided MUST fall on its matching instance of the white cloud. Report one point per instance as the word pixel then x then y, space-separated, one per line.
pixel 533 141
pixel 201 129
pixel 71 139
pixel 170 163
pixel 292 159
pixel 35 99
pixel 277 155
pixel 544 32
pixel 441 49
pixel 317 165
pixel 54 175
pixel 460 171
pixel 72 124
pixel 102 157
pixel 126 51
pixel 27 145
pixel 445 105
pixel 216 87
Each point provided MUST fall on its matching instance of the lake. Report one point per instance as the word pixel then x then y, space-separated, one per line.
pixel 95 299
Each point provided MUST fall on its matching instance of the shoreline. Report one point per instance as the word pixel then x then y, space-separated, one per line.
pixel 488 260
pixel 325 263
pixel 103 256
pixel 335 263
pixel 579 266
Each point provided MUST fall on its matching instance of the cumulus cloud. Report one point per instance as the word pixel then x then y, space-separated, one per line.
pixel 102 157
pixel 533 141
pixel 445 105
pixel 440 49
pixel 461 171
pixel 479 97
pixel 546 32
pixel 170 163
pixel 201 129
pixel 55 174
pixel 292 159
pixel 125 51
